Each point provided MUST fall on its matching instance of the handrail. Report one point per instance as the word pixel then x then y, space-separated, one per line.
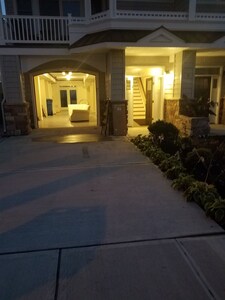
pixel 142 91
pixel 3 114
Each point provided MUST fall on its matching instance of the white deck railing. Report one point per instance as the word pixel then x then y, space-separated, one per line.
pixel 153 15
pixel 35 29
pixel 55 30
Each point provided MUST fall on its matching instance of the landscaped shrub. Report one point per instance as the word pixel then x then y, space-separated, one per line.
pixel 198 163
pixel 216 210
pixel 143 142
pixel 174 172
pixel 172 161
pixel 185 146
pixel 165 135
pixel 201 193
pixel 201 107
pixel 183 182
pixel 157 156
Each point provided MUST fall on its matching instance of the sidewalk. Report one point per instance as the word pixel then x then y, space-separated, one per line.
pixel 99 221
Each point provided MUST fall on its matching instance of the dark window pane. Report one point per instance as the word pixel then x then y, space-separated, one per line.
pixel 73 8
pixel 73 96
pixel 98 6
pixel 24 7
pixel 49 7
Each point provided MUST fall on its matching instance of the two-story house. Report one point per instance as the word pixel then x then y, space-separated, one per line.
pixel 142 55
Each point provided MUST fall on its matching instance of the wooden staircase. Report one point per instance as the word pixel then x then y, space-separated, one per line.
pixel 138 101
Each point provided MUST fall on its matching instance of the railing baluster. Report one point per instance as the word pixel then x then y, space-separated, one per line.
pixel 21 26
pixel 50 26
pixel 42 30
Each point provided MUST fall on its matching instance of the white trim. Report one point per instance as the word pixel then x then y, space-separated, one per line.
pixel 160 36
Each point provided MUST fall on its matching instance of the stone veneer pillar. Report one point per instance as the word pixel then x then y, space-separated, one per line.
pixel 115 85
pixel 16 110
pixel 184 79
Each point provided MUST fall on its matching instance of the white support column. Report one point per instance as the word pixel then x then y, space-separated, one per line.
pixel 192 10
pixel 112 8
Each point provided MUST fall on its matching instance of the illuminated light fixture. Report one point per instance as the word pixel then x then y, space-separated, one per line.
pixel 168 79
pixel 156 72
pixel 67 75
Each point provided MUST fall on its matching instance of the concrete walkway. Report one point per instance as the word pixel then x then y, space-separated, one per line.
pixel 94 219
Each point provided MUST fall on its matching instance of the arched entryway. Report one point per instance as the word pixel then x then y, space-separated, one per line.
pixel 65 99
pixel 66 94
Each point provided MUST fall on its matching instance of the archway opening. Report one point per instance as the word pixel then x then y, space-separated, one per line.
pixel 65 99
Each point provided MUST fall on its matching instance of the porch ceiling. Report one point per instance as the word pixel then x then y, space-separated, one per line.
pixel 152 51
pixel 168 51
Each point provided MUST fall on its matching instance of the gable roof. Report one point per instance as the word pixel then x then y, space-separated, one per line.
pixel 133 36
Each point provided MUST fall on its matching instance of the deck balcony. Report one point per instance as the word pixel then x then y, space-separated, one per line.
pixel 182 14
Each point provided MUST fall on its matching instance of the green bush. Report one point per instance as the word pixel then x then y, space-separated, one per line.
pixel 216 210
pixel 201 193
pixel 157 156
pixel 165 135
pixel 172 161
pixel 198 162
pixel 159 128
pixel 183 182
pixel 174 172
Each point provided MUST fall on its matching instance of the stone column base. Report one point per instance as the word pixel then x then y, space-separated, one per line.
pixel 118 118
pixel 17 119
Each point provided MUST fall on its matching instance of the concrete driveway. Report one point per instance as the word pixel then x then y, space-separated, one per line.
pixel 95 219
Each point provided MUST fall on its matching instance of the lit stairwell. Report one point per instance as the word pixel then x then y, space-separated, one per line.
pixel 138 101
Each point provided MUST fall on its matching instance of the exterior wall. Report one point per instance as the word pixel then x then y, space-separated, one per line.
pixel 188 73
pixel 184 71
pixel 11 79
pixel 148 61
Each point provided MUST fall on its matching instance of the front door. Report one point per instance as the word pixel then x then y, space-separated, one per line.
pixel 202 87
pixel 149 100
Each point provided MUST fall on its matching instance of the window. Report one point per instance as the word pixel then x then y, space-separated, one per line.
pixel 24 7
pixel 49 7
pixel 98 6
pixel 72 7
pixel 73 97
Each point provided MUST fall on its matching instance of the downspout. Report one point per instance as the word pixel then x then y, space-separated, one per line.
pixel 3 114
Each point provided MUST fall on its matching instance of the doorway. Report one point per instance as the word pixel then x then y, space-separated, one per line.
pixel 149 100
pixel 207 88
